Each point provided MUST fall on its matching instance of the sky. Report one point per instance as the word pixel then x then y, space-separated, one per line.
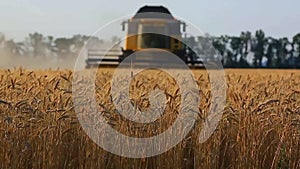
pixel 61 18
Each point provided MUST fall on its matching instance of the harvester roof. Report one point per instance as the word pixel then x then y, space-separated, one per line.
pixel 153 12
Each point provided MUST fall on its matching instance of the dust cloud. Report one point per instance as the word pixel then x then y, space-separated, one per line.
pixel 34 63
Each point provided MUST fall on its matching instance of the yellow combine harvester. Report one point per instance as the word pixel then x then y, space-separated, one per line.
pixel 152 27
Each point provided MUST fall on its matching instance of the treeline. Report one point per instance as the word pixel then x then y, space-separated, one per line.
pixel 245 51
pixel 38 45
pixel 251 51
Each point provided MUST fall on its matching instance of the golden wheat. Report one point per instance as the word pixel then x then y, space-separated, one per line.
pixel 260 127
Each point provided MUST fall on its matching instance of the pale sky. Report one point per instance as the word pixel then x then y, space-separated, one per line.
pixel 59 18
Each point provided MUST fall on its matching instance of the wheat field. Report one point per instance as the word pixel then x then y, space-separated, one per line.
pixel 260 127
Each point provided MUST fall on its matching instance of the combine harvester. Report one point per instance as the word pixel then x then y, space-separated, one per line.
pixel 152 27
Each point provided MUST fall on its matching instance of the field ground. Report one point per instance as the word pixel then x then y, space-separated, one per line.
pixel 260 127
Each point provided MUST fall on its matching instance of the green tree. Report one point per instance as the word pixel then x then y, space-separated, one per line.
pixel 219 45
pixel 235 44
pixel 10 47
pixel 245 42
pixel 13 48
pixel 271 47
pixel 49 43
pixel 36 41
pixel 259 48
pixel 296 48
pixel 78 41
pixel 62 47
